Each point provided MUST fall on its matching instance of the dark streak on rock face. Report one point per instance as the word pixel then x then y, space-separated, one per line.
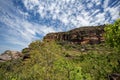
pixel 82 35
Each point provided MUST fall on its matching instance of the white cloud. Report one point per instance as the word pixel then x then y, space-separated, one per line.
pixel 114 13
pixel 19 31
pixel 26 30
pixel 31 3
pixel 70 13
pixel 23 32
pixel 63 10
pixel 89 5
pixel 106 2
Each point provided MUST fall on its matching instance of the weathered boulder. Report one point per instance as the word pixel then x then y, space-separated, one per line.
pixel 10 55
pixel 82 35
pixel 114 76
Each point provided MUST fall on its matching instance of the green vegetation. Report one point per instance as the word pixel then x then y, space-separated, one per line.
pixel 65 61
pixel 48 61
pixel 113 34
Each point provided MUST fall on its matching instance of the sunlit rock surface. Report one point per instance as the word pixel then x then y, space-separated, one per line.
pixel 82 35
pixel 10 55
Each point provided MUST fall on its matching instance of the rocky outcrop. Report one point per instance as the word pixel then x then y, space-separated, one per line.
pixel 82 35
pixel 114 76
pixel 10 55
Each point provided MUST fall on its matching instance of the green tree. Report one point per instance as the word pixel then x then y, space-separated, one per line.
pixel 112 34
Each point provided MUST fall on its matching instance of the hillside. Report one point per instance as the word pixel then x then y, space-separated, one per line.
pixel 63 56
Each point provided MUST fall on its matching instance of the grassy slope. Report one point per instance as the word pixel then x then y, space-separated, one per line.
pixel 52 61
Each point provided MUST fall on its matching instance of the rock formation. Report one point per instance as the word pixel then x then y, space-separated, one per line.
pixel 82 35
pixel 10 55
pixel 114 76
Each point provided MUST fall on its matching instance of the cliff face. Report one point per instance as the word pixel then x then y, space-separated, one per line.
pixel 82 35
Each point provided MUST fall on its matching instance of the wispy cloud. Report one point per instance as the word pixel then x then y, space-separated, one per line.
pixel 68 11
pixel 23 21
pixel 17 30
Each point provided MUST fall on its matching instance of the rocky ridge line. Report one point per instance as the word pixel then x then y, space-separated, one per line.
pixel 82 35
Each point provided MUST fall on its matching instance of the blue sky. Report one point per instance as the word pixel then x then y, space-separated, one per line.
pixel 23 21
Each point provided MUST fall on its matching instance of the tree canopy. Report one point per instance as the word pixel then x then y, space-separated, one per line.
pixel 112 34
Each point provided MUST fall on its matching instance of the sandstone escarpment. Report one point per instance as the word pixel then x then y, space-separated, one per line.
pixel 82 35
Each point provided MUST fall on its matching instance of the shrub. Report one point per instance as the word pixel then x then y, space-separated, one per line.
pixel 112 34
